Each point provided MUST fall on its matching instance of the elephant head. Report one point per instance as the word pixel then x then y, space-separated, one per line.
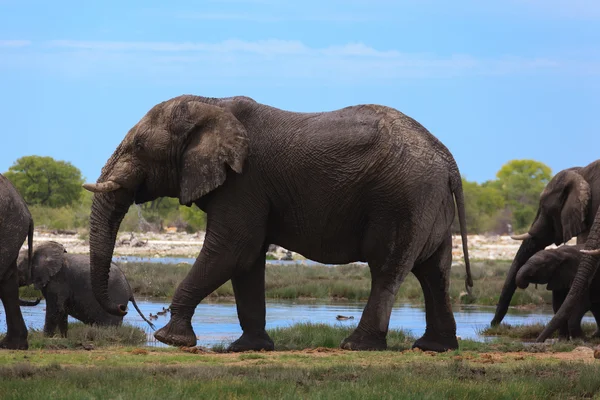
pixel 562 214
pixel 555 268
pixel 47 260
pixel 185 148
pixel 563 209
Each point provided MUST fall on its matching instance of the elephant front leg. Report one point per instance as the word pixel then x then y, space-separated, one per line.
pixel 558 297
pixel 249 290
pixel 234 241
pixel 210 271
pixel 16 335
pixel 56 315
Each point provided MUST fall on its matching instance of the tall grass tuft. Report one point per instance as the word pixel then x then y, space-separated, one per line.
pixel 309 336
pixel 80 334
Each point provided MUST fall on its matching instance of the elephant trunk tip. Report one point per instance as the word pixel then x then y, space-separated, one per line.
pixel 120 310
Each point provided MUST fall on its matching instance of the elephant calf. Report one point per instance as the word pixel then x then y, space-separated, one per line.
pixel 557 268
pixel 64 280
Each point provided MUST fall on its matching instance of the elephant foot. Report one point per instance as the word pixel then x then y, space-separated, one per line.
pixel 256 342
pixel 361 341
pixel 14 344
pixel 177 333
pixel 439 345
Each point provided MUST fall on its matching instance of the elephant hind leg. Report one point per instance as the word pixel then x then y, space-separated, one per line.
pixel 371 332
pixel 16 335
pixel 434 277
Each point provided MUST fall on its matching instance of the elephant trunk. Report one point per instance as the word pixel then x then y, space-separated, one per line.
pixel 27 303
pixel 108 210
pixel 527 249
pixel 585 273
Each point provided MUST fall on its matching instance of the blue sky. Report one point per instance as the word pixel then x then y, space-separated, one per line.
pixel 494 80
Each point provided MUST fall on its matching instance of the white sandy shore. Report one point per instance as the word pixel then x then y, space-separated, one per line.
pixel 189 245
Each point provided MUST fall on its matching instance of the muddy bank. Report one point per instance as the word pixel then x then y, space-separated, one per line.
pixel 188 245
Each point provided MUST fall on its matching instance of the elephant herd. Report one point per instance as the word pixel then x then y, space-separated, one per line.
pixel 363 183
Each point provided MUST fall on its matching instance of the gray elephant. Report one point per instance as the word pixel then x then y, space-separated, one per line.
pixel 585 283
pixel 566 209
pixel 556 268
pixel 16 225
pixel 363 183
pixel 64 280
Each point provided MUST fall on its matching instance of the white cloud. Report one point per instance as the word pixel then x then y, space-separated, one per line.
pixel 15 43
pixel 270 62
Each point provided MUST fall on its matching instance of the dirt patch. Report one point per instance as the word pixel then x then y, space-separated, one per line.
pixel 579 354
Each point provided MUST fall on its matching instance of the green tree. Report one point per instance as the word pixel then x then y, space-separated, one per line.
pixel 45 181
pixel 521 182
pixel 194 217
pixel 482 206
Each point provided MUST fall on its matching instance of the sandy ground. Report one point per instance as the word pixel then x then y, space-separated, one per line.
pixel 189 245
pixel 581 354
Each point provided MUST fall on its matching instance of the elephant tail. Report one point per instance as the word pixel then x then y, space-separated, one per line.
pixel 132 299
pixel 30 246
pixel 457 190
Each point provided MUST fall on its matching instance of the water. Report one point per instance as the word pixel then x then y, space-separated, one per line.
pixel 215 323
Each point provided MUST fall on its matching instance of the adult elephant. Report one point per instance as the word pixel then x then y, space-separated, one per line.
pixel 64 280
pixel 363 183
pixel 16 225
pixel 566 209
pixel 586 282
pixel 556 268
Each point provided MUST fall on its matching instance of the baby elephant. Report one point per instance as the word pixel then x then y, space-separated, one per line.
pixel 64 280
pixel 557 268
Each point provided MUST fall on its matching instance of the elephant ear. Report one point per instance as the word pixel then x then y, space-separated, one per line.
pixel 48 260
pixel 575 206
pixel 215 140
pixel 565 272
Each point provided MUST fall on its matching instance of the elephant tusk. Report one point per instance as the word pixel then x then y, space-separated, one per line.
pixel 524 236
pixel 104 187
pixel 595 252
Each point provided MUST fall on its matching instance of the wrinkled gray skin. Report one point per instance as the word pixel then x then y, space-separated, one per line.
pixel 364 183
pixel 16 225
pixel 556 268
pixel 567 208
pixel 64 280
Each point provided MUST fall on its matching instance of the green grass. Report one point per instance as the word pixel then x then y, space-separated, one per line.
pixel 79 334
pixel 310 336
pixel 343 282
pixel 312 366
pixel 336 375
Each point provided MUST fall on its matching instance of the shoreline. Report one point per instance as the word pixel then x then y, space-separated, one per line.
pixel 177 244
